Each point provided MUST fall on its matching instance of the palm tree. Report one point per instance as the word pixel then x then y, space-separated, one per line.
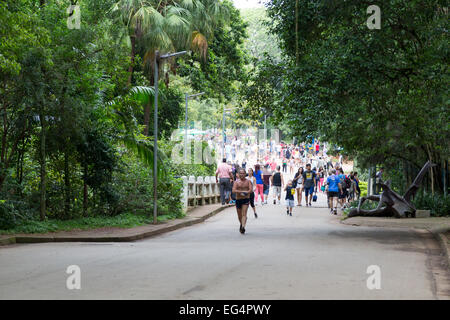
pixel 136 17
pixel 142 147
pixel 167 25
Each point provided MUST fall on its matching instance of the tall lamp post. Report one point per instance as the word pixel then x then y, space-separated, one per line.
pixel 187 96
pixel 158 59
pixel 223 130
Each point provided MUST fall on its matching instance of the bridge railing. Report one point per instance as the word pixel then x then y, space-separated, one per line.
pixel 199 191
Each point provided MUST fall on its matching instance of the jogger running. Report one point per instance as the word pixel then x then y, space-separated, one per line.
pixel 242 188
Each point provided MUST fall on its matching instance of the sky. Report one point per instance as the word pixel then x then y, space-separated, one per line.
pixel 242 4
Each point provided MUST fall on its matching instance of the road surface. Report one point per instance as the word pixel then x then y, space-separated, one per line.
pixel 306 256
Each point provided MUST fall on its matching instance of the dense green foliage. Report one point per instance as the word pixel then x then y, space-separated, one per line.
pixel 76 104
pixel 260 41
pixel 438 205
pixel 382 95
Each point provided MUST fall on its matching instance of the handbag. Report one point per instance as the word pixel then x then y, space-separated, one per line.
pixel 322 188
pixel 314 198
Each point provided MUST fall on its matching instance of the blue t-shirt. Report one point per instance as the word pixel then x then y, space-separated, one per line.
pixel 258 177
pixel 341 178
pixel 332 182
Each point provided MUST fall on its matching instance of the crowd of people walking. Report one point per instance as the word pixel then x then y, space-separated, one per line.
pixel 299 171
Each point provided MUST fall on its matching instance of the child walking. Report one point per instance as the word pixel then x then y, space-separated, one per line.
pixel 290 203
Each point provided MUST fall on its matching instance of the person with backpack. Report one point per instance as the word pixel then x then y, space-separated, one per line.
pixel 352 189
pixel 277 183
pixel 357 188
pixel 333 188
pixel 345 184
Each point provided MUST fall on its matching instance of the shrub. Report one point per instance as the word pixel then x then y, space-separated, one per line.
pixel 363 187
pixel 13 213
pixel 438 204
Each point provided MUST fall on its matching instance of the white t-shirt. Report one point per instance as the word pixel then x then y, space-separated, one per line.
pixel 253 182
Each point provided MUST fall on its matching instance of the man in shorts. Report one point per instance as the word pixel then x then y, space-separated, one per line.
pixel 333 191
pixel 309 181
pixel 242 188
pixel 277 182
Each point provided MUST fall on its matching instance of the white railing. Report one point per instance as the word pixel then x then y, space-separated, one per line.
pixel 200 191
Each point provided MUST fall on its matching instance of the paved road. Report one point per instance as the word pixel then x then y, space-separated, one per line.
pixel 307 256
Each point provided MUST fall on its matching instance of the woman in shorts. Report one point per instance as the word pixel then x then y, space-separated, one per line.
pixel 298 184
pixel 252 179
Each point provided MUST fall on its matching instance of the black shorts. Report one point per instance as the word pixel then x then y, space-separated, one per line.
pixel 242 202
pixel 343 194
pixel 333 194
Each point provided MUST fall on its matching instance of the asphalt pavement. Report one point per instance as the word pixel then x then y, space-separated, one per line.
pixel 307 256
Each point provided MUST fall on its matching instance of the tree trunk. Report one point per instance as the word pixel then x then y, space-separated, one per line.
pixel 43 172
pixel 133 57
pixel 66 185
pixel 85 190
pixel 296 33
pixel 146 118
pixel 431 171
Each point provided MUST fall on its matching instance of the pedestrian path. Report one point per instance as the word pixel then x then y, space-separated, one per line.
pixel 307 256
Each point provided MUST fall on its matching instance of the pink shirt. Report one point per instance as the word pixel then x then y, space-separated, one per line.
pixel 273 166
pixel 223 170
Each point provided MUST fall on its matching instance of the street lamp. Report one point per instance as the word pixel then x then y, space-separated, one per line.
pixel 158 58
pixel 187 96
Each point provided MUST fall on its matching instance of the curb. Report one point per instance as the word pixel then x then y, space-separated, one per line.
pixel 7 241
pixel 442 239
pixel 128 238
pixel 438 234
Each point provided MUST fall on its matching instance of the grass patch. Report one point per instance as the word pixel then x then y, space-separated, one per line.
pixel 125 220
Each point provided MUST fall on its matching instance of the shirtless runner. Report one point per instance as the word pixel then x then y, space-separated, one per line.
pixel 242 188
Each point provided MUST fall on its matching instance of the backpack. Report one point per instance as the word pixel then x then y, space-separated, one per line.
pixel 347 182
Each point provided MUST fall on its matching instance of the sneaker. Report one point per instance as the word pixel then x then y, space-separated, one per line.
pixel 287 211
pixel 290 213
pixel 310 204
pixel 256 216
pixel 335 212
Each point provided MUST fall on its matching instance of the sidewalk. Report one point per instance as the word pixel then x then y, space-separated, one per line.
pixel 439 227
pixel 197 215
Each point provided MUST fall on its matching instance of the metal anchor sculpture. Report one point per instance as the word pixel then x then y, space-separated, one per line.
pixel 394 204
